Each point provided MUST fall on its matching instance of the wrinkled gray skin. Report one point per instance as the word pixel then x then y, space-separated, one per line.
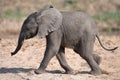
pixel 75 30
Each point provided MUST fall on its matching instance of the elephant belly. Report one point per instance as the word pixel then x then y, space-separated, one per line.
pixel 69 45
pixel 70 40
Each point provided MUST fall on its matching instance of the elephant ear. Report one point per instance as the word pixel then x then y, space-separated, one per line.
pixel 48 20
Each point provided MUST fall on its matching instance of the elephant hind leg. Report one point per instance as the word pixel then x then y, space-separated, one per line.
pixel 85 50
pixel 97 58
pixel 62 60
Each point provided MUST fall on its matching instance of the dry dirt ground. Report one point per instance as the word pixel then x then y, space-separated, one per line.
pixel 22 65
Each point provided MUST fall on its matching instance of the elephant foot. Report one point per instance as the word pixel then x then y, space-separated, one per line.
pixel 38 71
pixel 74 72
pixel 98 72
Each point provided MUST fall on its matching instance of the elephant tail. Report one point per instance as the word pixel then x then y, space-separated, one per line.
pixel 111 49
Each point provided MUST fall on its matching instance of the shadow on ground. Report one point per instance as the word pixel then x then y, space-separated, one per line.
pixel 25 70
pixel 15 70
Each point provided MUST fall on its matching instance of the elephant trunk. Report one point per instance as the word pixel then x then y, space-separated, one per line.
pixel 20 43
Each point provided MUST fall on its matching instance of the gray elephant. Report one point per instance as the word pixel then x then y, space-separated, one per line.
pixel 75 30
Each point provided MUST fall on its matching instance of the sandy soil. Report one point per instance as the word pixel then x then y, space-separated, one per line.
pixel 22 65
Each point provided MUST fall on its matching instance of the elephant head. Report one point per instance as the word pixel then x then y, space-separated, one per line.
pixel 42 23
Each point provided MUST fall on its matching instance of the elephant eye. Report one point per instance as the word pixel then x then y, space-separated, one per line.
pixel 38 21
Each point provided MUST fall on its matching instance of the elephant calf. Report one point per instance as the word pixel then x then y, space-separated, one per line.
pixel 75 30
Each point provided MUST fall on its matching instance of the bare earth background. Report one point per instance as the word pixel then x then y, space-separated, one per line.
pixel 22 65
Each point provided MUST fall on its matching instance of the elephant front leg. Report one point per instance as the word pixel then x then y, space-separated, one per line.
pixel 47 57
pixel 52 48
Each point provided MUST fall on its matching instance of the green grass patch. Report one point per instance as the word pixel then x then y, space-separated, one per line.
pixel 12 14
pixel 106 16
pixel 70 1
